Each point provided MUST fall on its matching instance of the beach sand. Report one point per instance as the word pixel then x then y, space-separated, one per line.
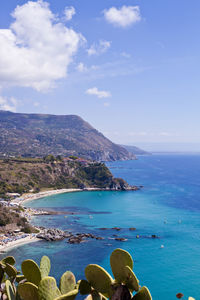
pixel 29 197
pixel 13 244
pixel 34 196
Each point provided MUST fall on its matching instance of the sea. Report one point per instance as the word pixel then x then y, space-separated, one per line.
pixel 168 206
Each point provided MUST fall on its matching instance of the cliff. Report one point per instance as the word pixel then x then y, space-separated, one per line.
pixel 25 175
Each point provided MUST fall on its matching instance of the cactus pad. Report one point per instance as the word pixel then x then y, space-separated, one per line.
pixel 47 289
pixel 8 260
pixel 9 290
pixel 130 280
pixel 89 297
pixel 67 282
pixel 28 291
pixel 45 266
pixel 96 296
pixel 19 278
pixel 118 260
pixel 99 279
pixel 10 270
pixel 1 273
pixel 31 271
pixel 84 287
pixel 143 294
pixel 68 296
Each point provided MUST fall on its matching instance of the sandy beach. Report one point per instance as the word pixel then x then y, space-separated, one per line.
pixel 34 196
pixel 13 244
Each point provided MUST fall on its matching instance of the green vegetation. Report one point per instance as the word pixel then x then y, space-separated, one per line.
pixel 29 229
pixel 34 283
pixel 21 175
pixel 11 216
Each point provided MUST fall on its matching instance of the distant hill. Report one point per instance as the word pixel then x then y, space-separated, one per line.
pixel 36 135
pixel 135 150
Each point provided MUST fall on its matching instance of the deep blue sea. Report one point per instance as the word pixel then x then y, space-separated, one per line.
pixel 168 206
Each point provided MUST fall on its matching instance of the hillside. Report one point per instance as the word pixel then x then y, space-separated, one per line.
pixel 135 150
pixel 36 135
pixel 25 175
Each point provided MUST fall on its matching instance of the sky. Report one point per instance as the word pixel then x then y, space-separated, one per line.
pixel 130 68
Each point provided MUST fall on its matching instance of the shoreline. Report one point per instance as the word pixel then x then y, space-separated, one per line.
pixel 20 242
pixel 35 196
pixel 25 198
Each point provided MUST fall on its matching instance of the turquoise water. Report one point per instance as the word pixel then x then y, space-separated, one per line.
pixel 168 206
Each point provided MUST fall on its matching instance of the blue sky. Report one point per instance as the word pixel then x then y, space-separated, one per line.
pixel 130 68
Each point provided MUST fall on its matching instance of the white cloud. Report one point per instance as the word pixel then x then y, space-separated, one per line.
pixel 124 16
pixel 81 67
pixel 97 49
pixel 8 103
pixel 100 94
pixel 37 49
pixel 69 13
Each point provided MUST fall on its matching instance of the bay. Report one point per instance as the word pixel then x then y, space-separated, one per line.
pixel 168 206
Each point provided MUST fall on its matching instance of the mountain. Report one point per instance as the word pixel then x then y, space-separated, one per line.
pixel 36 135
pixel 135 150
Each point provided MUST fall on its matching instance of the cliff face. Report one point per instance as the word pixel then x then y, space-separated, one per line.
pixel 24 175
pixel 32 135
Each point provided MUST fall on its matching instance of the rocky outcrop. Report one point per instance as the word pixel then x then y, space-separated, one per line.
pixel 52 234
pixel 22 175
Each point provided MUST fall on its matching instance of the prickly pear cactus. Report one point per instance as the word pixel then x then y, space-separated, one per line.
pixel 143 294
pixel 121 292
pixel 99 279
pixel 130 280
pixel 10 291
pixel 31 271
pixel 47 289
pixel 67 282
pixel 45 266
pixel 8 260
pixel 19 278
pixel 118 260
pixel 85 287
pixel 10 271
pixel 28 291
pixel 69 296
pixel 97 296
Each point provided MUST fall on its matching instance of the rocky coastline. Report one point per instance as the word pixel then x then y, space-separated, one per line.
pixel 54 234
pixel 14 237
